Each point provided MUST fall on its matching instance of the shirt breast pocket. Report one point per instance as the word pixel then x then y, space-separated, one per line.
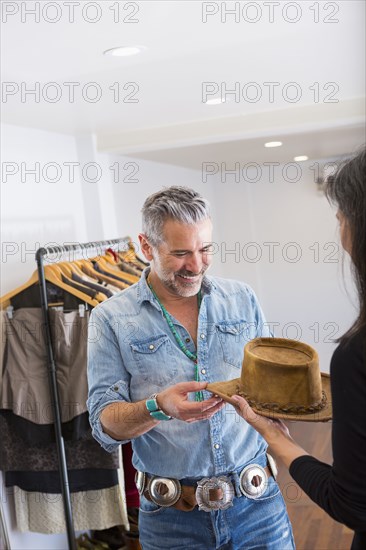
pixel 154 359
pixel 233 336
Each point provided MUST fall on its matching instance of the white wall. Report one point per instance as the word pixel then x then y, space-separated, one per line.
pixel 150 177
pixel 32 215
pixel 287 247
pixel 35 213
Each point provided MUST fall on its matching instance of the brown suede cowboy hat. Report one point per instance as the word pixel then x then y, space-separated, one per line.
pixel 280 378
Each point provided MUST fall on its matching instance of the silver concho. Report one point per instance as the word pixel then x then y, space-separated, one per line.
pixel 140 481
pixel 272 465
pixel 253 481
pixel 164 491
pixel 205 485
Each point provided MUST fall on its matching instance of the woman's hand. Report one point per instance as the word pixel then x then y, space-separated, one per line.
pixel 267 427
pixel 274 431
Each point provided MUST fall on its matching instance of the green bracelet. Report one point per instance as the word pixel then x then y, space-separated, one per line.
pixel 154 409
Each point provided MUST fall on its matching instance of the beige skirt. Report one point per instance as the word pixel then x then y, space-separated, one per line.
pixel 25 386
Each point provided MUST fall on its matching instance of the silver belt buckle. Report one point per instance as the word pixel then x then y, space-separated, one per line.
pixel 253 481
pixel 164 491
pixel 206 484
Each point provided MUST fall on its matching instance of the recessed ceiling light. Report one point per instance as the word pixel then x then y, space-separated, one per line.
pixel 124 51
pixel 215 101
pixel 273 144
pixel 301 158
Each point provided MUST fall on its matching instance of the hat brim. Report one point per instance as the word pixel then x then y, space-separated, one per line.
pixel 226 390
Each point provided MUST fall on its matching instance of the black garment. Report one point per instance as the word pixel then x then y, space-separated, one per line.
pixel 49 482
pixel 340 489
pixel 17 455
pixel 34 434
pixel 31 297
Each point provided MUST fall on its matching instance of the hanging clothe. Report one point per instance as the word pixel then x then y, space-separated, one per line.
pixel 16 454
pixel 28 454
pixel 25 388
pixel 44 512
pixel 40 434
pixel 91 479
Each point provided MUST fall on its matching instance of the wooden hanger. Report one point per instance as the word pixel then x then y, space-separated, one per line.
pixel 53 276
pixel 109 258
pixel 131 258
pixel 126 276
pixel 87 267
pixel 59 272
pixel 94 275
pixel 71 267
pixel 65 268
pixel 76 269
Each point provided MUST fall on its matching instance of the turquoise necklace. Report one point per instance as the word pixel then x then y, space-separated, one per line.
pixel 183 347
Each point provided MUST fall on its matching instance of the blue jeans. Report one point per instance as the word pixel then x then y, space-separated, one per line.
pixel 249 524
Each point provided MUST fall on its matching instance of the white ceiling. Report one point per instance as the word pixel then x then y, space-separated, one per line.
pixel 169 122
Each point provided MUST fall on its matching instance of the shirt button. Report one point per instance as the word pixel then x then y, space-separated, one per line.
pixel 115 388
pixel 188 340
pixel 217 446
pixel 203 371
pixel 151 346
pixel 203 336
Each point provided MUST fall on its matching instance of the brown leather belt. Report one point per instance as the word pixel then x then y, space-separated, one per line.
pixel 187 500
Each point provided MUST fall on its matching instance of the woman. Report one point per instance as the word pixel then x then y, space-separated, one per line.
pixel 339 489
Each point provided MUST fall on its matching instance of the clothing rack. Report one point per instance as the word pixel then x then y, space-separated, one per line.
pixel 88 250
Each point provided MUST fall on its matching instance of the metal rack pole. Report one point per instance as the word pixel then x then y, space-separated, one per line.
pixel 65 489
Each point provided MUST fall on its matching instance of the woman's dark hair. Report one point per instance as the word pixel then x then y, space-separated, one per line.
pixel 347 190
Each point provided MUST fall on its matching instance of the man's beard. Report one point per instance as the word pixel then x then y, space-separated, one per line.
pixel 175 281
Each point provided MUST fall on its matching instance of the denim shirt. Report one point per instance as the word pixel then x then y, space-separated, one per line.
pixel 133 354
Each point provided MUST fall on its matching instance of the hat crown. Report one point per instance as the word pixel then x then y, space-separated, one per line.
pixel 280 378
pixel 282 375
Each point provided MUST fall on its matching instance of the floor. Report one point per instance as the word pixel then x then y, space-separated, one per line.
pixel 313 528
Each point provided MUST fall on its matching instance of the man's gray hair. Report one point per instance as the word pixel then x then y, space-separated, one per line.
pixel 178 203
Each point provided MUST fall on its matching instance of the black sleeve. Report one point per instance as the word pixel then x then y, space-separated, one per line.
pixel 340 489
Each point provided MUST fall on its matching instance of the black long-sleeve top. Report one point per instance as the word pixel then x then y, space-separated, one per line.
pixel 340 489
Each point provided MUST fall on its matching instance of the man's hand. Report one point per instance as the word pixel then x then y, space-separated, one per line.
pixel 174 402
pixel 124 420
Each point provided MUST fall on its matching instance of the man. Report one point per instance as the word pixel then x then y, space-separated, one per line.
pixel 204 480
